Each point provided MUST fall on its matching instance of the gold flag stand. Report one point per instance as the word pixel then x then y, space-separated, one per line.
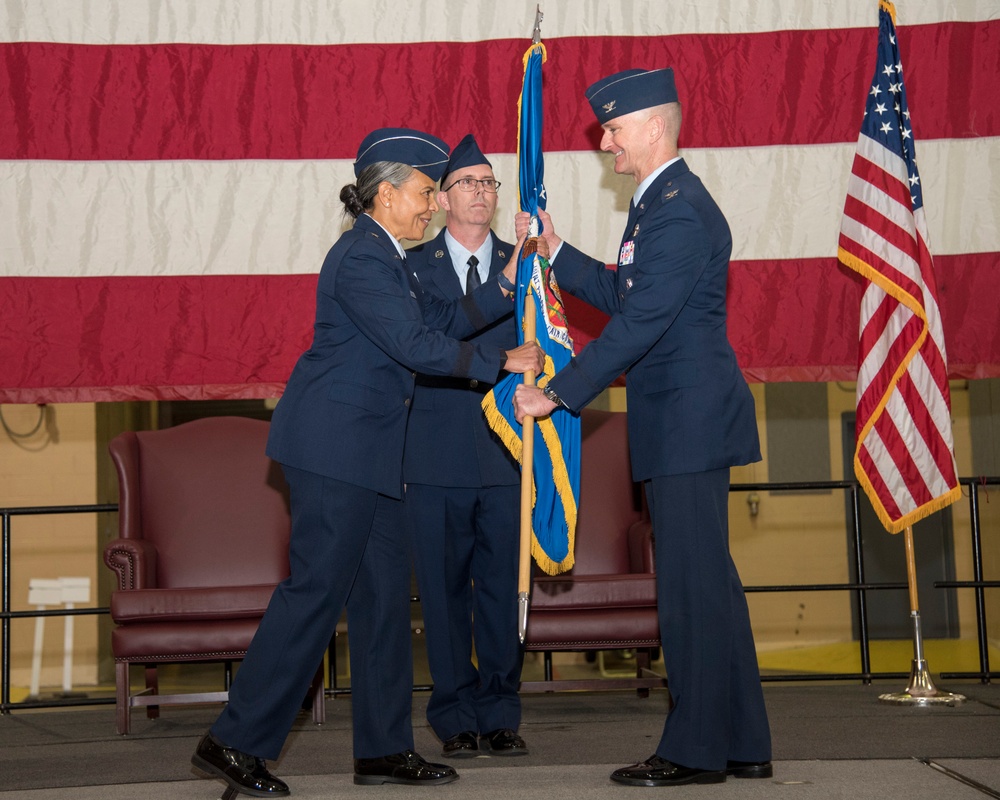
pixel 920 691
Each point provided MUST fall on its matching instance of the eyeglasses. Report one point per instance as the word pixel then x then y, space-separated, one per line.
pixel 469 185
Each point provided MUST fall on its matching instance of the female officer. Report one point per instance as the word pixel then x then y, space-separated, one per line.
pixel 338 433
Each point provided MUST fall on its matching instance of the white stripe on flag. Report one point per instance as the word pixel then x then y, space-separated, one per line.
pixel 913 442
pixel 315 23
pixel 885 466
pixel 75 218
pixel 874 359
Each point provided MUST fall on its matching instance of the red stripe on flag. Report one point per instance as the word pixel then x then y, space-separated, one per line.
pixel 193 101
pixel 888 270
pixel 924 425
pixel 66 339
pixel 893 357
pixel 902 461
pixel 878 484
pixel 889 231
pixel 936 365
pixel 887 183
pixel 85 339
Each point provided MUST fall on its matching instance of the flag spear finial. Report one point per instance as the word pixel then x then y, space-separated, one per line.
pixel 536 34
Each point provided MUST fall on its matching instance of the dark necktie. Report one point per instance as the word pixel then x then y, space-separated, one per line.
pixel 472 281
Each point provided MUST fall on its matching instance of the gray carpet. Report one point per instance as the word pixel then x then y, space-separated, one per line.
pixel 830 741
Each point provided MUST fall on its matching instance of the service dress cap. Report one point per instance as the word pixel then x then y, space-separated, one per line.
pixel 465 154
pixel 405 146
pixel 631 90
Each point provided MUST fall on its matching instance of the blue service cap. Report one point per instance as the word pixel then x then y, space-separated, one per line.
pixel 631 90
pixel 465 154
pixel 405 146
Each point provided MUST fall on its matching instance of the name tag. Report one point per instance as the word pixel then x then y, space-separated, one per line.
pixel 628 253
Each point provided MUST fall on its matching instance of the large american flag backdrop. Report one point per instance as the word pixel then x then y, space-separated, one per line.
pixel 169 172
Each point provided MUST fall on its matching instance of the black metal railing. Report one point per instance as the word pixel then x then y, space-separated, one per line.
pixel 860 588
pixel 6 615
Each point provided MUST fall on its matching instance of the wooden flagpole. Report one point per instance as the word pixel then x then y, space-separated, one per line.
pixel 920 691
pixel 527 473
pixel 528 423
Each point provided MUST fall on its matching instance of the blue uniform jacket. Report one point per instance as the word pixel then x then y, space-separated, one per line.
pixel 689 407
pixel 344 410
pixel 448 442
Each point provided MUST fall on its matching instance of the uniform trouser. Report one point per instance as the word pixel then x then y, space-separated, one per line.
pixel 718 711
pixel 348 547
pixel 465 544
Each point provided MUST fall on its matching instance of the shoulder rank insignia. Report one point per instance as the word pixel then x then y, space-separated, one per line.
pixel 671 194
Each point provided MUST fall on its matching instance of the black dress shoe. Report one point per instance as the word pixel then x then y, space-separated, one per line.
pixel 406 767
pixel 242 771
pixel 461 745
pixel 749 769
pixel 656 771
pixel 503 742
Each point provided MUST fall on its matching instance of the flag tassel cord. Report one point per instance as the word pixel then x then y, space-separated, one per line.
pixel 920 691
pixel 527 478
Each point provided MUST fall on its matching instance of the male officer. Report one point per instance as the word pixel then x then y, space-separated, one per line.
pixel 691 417
pixel 462 493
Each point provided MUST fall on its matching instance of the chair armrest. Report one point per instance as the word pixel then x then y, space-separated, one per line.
pixel 640 547
pixel 134 561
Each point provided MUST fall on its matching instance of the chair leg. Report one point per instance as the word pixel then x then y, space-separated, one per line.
pixel 152 687
pixel 122 695
pixel 318 692
pixel 642 663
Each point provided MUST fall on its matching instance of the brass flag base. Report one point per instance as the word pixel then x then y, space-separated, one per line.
pixel 920 691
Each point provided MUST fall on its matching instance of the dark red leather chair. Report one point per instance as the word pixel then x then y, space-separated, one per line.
pixel 203 540
pixel 608 600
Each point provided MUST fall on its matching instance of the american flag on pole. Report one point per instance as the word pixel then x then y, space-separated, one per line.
pixel 904 456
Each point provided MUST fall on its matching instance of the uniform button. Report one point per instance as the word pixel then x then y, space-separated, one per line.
pixel 621 295
pixel 473 383
pixel 406 402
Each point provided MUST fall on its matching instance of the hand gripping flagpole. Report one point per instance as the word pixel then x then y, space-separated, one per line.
pixel 920 691
pixel 528 423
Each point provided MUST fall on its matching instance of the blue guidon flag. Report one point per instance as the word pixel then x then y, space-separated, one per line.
pixel 556 458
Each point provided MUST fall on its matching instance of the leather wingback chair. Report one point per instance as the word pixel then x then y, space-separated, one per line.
pixel 203 541
pixel 608 600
